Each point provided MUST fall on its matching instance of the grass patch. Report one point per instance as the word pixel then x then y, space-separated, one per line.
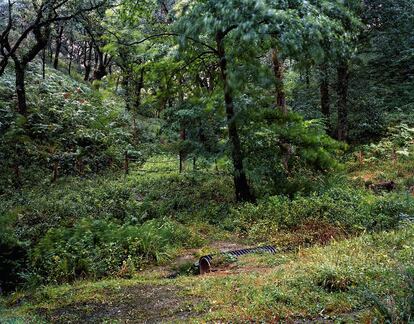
pixel 318 283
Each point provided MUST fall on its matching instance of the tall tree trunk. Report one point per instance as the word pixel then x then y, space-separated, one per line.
pixel 87 72
pixel 41 37
pixel 126 163
pixel 87 62
pixel 242 188
pixel 55 171
pixel 58 46
pixel 343 80
pixel 3 64
pixel 44 63
pixel 100 67
pixel 325 97
pixel 279 86
pixel 307 78
pixel 20 71
pixel 71 58
pixel 99 72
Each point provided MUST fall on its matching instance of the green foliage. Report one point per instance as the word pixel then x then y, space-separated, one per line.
pixel 144 195
pixel 350 209
pixel 176 195
pixel 145 205
pixel 334 279
pixel 172 76
pixel 195 130
pixel 97 248
pixel 69 126
pixel 397 309
pixel 286 154
pixel 398 143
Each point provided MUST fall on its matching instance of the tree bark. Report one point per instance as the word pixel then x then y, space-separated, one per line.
pixel 100 67
pixel 3 65
pixel 58 46
pixel 50 53
pixel 183 134
pixel 279 86
pixel 343 82
pixel 20 64
pixel 20 88
pixel 242 188
pixel 87 62
pixel 286 148
pixel 99 72
pixel 71 58
pixel 44 63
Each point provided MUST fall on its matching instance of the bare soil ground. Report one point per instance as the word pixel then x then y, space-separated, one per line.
pixel 135 304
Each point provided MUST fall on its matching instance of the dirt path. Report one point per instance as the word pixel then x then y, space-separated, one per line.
pixel 135 304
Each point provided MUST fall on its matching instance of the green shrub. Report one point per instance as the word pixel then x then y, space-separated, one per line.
pixel 351 209
pixel 388 210
pixel 135 199
pixel 69 126
pixel 13 255
pixel 97 248
pixel 285 154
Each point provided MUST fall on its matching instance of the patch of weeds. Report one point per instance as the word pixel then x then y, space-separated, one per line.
pixel 277 296
pixel 396 309
pixel 332 280
pixel 266 260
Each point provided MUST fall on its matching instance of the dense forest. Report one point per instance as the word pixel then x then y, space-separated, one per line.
pixel 143 139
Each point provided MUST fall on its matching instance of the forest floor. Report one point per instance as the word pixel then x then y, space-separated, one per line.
pixel 337 282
